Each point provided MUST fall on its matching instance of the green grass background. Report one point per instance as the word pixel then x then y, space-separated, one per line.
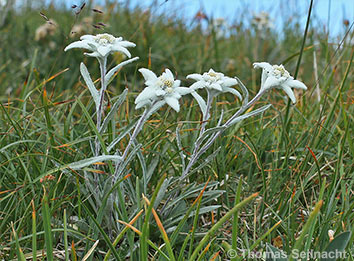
pixel 286 155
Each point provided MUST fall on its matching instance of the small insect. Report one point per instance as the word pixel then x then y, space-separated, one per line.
pixel 97 11
pixel 97 26
pixel 44 16
pixel 164 2
pixel 81 7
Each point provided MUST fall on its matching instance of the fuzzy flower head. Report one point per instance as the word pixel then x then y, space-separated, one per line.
pixel 101 45
pixel 215 82
pixel 276 76
pixel 45 30
pixel 163 88
pixel 262 21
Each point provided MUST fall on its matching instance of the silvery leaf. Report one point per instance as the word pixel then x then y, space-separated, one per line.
pixel 220 118
pixel 94 93
pixel 250 114
pixel 113 110
pixel 244 90
pixel 110 74
pixel 200 101
pixel 86 162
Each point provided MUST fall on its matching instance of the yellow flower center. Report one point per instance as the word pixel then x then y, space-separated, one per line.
pixel 279 71
pixel 212 74
pixel 105 39
pixel 167 83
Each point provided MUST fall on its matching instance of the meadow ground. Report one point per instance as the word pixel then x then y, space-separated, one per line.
pixel 283 178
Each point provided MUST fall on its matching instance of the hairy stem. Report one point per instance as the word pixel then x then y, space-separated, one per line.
pixel 201 133
pixel 100 106
pixel 136 131
pixel 198 152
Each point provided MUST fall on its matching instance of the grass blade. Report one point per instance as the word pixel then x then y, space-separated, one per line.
pixel 88 254
pixel 105 236
pixel 162 230
pixel 66 237
pixel 235 221
pixel 47 226
pixel 225 218
pixel 34 232
pixel 145 230
pixel 310 222
pixel 20 255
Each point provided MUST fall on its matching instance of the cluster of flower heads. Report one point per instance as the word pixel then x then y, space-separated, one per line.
pixel 214 82
pixel 165 88
pixel 275 76
pixel 101 45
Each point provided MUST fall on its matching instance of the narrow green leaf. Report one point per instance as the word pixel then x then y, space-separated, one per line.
pixel 105 236
pixel 235 221
pixel 66 237
pixel 145 230
pixel 34 233
pixel 20 255
pixel 225 218
pixel 47 227
pixel 310 222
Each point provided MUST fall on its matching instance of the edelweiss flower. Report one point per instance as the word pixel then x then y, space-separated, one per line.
pixel 45 30
pixel 262 21
pixel 214 81
pixel 275 76
pixel 163 88
pixel 101 45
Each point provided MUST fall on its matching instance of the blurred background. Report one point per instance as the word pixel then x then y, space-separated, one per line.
pixel 187 36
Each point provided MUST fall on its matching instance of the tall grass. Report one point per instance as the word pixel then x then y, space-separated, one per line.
pixel 290 170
